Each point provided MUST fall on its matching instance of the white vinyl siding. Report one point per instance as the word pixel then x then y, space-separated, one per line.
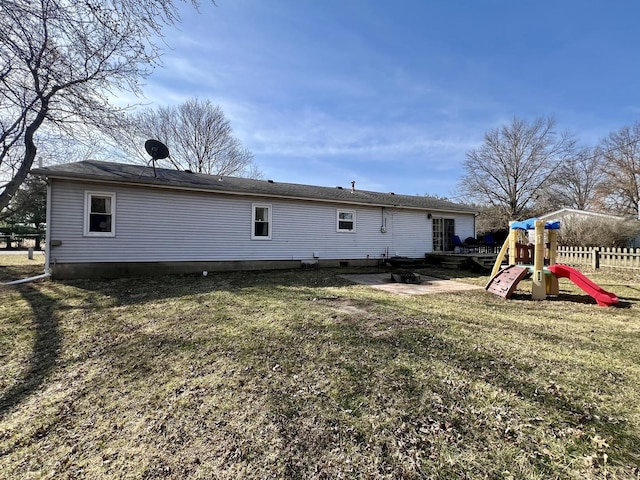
pixel 162 225
pixel 465 226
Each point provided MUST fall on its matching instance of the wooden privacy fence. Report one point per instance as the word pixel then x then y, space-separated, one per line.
pixel 597 257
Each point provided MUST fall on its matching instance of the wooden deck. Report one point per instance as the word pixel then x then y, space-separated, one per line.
pixel 467 260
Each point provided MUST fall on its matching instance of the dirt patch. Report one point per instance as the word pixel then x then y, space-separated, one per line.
pixel 383 281
pixel 344 305
pixel 360 314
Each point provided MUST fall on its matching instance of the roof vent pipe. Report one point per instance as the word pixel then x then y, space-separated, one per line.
pixel 353 186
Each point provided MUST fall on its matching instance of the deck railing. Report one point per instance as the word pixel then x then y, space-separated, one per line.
pixel 600 257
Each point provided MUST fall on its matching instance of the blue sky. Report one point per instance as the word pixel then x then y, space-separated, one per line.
pixel 393 94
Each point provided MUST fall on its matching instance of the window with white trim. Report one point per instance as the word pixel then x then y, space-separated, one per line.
pixel 346 220
pixel 100 214
pixel 261 222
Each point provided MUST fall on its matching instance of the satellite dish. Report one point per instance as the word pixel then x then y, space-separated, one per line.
pixel 157 150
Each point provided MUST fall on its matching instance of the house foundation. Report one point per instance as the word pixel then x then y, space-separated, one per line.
pixel 64 271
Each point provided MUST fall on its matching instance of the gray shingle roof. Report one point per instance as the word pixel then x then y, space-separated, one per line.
pixel 94 170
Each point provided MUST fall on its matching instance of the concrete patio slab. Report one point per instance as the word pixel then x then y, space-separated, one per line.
pixel 383 281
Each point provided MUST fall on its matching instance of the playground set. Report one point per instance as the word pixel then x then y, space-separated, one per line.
pixel 539 259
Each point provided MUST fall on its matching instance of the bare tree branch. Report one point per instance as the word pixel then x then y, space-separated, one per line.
pixel 575 184
pixel 513 164
pixel 59 62
pixel 198 135
pixel 620 156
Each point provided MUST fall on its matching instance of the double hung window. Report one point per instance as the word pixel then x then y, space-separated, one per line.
pixel 261 222
pixel 346 221
pixel 99 214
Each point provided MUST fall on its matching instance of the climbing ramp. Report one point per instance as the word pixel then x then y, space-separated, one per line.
pixel 506 280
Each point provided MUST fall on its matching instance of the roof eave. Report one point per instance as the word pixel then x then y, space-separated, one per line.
pixel 169 185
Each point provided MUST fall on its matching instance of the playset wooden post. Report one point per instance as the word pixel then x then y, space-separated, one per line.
pixel 539 288
pixel 513 240
pixel 552 281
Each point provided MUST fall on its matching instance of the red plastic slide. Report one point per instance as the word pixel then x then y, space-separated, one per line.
pixel 604 298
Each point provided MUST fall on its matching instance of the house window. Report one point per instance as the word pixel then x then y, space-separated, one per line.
pixel 346 220
pixel 100 214
pixel 261 221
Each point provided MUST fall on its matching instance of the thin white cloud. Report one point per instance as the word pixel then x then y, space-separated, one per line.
pixel 315 134
pixel 369 92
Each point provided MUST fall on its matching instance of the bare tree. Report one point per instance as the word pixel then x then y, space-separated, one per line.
pixel 59 62
pixel 54 148
pixel 490 219
pixel 516 160
pixel 620 153
pixel 575 184
pixel 199 137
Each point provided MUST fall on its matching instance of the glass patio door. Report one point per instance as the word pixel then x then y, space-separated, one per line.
pixel 443 230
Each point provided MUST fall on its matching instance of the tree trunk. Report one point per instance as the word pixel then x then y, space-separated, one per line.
pixel 29 155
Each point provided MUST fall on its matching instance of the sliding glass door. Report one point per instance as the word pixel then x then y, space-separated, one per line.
pixel 443 230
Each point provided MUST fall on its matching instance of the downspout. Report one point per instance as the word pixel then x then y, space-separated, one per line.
pixel 475 232
pixel 30 279
pixel 47 233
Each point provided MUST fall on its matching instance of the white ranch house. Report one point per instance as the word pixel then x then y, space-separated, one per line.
pixel 112 219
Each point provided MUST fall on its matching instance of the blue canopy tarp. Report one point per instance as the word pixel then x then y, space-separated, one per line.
pixel 530 224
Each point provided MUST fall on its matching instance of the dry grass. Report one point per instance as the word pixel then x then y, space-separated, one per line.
pixel 17 266
pixel 299 374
